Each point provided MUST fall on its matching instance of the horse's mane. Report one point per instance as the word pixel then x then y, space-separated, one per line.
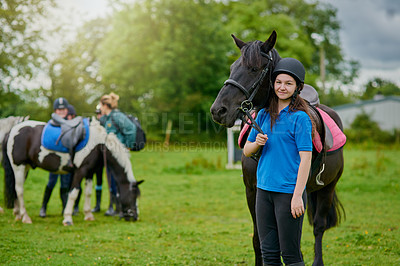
pixel 121 154
pixel 251 54
pixel 117 149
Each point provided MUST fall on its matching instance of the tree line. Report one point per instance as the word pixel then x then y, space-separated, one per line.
pixel 167 59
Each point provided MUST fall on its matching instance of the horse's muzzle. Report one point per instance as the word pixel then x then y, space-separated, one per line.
pixel 130 215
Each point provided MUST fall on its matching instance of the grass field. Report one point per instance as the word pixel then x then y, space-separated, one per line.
pixel 193 212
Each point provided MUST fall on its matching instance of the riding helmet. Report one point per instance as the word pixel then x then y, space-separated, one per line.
pixel 290 66
pixel 71 110
pixel 60 103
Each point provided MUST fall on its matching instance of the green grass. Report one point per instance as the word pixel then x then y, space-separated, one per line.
pixel 193 212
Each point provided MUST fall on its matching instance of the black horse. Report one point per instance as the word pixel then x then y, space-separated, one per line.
pixel 249 85
pixel 22 150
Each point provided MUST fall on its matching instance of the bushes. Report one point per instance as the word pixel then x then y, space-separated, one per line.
pixel 364 130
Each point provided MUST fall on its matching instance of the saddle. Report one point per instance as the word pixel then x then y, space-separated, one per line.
pixel 325 139
pixel 72 131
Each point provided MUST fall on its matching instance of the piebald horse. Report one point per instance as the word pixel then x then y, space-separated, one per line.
pixel 5 126
pixel 22 150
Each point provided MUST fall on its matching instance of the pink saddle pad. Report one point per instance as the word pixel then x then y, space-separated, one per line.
pixel 339 138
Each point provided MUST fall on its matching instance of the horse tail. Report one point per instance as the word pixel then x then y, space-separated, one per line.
pixel 335 214
pixel 10 195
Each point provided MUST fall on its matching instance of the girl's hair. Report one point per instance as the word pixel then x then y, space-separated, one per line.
pixel 297 104
pixel 111 100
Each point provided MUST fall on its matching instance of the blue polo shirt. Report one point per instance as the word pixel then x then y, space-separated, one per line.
pixel 279 162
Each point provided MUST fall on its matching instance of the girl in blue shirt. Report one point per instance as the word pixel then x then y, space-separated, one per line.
pixel 284 165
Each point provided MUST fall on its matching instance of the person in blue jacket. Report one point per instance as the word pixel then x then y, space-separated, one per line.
pixel 283 166
pixel 118 123
pixel 62 108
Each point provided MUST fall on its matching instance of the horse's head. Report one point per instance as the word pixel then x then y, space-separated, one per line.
pixel 128 196
pixel 119 164
pixel 248 83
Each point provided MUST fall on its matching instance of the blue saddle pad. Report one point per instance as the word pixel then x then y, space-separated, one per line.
pixel 51 134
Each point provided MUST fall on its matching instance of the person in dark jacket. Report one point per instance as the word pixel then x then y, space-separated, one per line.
pixel 118 123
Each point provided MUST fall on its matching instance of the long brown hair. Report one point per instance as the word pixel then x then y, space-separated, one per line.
pixel 298 104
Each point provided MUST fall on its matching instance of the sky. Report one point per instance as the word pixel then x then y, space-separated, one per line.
pixel 370 33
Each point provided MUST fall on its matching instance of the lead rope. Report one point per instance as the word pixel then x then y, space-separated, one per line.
pixel 253 124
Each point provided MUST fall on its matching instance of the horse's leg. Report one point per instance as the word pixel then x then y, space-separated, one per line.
pixel 1 210
pixel 73 194
pixel 327 208
pixel 20 174
pixel 16 210
pixel 251 203
pixel 324 204
pixel 86 207
pixel 249 168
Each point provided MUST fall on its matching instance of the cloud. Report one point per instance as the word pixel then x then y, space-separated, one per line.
pixel 370 35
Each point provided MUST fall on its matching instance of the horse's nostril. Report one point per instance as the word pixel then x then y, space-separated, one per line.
pixel 222 111
pixel 219 111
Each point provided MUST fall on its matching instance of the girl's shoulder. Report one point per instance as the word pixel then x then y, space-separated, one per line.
pixel 300 115
pixel 262 112
pixel 117 114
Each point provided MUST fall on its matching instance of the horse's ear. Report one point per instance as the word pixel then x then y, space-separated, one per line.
pixel 239 43
pixel 139 182
pixel 270 43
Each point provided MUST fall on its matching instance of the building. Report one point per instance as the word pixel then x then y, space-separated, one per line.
pixel 383 110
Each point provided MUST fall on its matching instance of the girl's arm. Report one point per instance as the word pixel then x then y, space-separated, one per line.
pixel 252 147
pixel 297 205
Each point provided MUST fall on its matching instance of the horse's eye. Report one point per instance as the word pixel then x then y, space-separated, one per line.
pixel 254 69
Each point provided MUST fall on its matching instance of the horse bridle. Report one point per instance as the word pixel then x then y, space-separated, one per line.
pixel 247 105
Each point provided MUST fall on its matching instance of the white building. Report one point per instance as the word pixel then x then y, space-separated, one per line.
pixel 383 110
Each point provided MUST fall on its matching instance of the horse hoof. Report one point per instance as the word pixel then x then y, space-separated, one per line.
pixel 17 218
pixel 68 223
pixel 90 218
pixel 27 220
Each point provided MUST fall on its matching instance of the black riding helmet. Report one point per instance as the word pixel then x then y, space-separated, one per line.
pixel 60 103
pixel 290 66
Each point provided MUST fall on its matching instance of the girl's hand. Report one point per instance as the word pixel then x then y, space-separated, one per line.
pixel 297 206
pixel 261 139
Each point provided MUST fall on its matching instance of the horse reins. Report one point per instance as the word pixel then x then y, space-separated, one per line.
pixel 247 105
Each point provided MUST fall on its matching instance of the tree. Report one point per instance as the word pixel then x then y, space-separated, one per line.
pixel 364 129
pixel 20 50
pixel 171 57
pixel 303 27
pixel 380 86
pixel 74 73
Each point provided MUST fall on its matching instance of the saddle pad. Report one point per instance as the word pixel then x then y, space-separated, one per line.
pixel 339 138
pixel 51 134
pixel 243 132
